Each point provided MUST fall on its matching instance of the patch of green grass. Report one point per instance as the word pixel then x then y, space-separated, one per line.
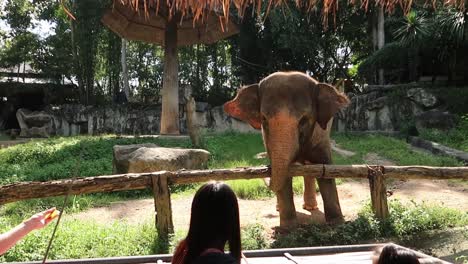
pixel 230 150
pixel 59 158
pixel 390 148
pixel 406 220
pixel 456 138
pixel 81 239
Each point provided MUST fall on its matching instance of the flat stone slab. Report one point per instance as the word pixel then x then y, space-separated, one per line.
pixel 150 158
pixel 437 148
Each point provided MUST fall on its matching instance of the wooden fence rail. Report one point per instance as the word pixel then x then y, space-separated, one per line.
pixel 159 182
pixel 135 181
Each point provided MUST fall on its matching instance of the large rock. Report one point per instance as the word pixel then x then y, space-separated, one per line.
pixel 150 158
pixel 422 97
pixel 435 119
pixel 35 124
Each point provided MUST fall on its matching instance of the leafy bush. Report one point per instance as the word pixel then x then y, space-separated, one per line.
pixel 405 220
pixel 254 237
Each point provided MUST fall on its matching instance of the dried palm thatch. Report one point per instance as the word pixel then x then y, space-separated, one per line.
pixel 150 27
pixel 199 9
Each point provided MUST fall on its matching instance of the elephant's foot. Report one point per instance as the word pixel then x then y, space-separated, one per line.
pixel 335 221
pixel 310 208
pixel 288 223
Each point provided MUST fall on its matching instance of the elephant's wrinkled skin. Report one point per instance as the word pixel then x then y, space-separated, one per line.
pixel 294 112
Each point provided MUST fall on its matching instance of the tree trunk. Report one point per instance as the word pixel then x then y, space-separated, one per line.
pixel 170 90
pixel 76 62
pixel 126 86
pixel 24 71
pixel 381 38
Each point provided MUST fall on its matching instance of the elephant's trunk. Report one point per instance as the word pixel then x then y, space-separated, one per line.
pixel 283 144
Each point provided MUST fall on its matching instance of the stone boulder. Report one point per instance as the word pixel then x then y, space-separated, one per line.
pixel 435 119
pixel 35 124
pixel 149 158
pixel 422 97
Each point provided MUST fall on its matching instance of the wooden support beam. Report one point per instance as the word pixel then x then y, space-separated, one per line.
pixel 193 129
pixel 162 206
pixel 134 181
pixel 378 192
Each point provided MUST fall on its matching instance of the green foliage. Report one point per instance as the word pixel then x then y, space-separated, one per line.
pixel 392 58
pixel 405 221
pixel 393 149
pixel 59 158
pixel 17 13
pixel 254 237
pixel 456 138
pixel 81 239
pixel 413 30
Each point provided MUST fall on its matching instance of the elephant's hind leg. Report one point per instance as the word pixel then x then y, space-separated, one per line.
pixel 310 194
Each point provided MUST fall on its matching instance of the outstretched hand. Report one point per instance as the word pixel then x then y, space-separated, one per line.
pixel 41 219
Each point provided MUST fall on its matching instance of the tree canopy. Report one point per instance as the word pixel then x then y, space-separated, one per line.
pixel 421 41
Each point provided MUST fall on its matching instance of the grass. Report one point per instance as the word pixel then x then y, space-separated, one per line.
pixel 85 239
pixel 58 158
pixel 389 148
pixel 456 138
pixel 82 239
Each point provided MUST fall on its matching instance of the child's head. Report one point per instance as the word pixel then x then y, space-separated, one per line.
pixel 391 254
pixel 214 220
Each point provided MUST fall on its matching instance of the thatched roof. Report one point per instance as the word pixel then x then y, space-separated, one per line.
pixel 199 8
pixel 149 26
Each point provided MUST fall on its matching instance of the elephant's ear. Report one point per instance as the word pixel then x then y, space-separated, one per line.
pixel 246 106
pixel 330 101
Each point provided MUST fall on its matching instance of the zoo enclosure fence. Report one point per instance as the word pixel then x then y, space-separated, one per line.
pixel 160 182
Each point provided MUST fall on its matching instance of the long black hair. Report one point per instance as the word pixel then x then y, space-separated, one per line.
pixel 214 221
pixel 391 254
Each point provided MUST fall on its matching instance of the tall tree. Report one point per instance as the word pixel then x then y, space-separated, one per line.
pixel 125 83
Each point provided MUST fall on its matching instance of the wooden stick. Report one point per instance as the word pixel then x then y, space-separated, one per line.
pixel 134 181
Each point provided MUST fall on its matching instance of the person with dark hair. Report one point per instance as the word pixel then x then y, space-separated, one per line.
pixel 392 254
pixel 214 221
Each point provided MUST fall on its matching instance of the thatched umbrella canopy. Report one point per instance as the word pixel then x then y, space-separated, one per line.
pixel 160 23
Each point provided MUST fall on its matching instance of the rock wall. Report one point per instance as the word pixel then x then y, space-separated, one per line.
pixel 74 119
pixel 391 108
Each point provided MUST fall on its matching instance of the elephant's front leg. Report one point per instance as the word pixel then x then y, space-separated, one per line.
pixel 310 194
pixel 331 203
pixel 287 210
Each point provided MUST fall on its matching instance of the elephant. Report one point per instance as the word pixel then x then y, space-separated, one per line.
pixel 295 113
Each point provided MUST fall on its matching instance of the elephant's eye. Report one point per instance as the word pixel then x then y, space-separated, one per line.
pixel 264 121
pixel 304 121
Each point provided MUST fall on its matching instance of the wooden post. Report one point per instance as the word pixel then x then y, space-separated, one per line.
pixel 378 192
pixel 193 130
pixel 170 89
pixel 162 206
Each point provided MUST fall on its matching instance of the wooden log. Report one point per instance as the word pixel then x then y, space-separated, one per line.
pixel 378 192
pixel 134 181
pixel 425 172
pixel 162 206
pixel 28 190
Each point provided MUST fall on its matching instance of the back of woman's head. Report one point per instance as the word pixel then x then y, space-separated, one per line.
pixel 391 254
pixel 214 221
